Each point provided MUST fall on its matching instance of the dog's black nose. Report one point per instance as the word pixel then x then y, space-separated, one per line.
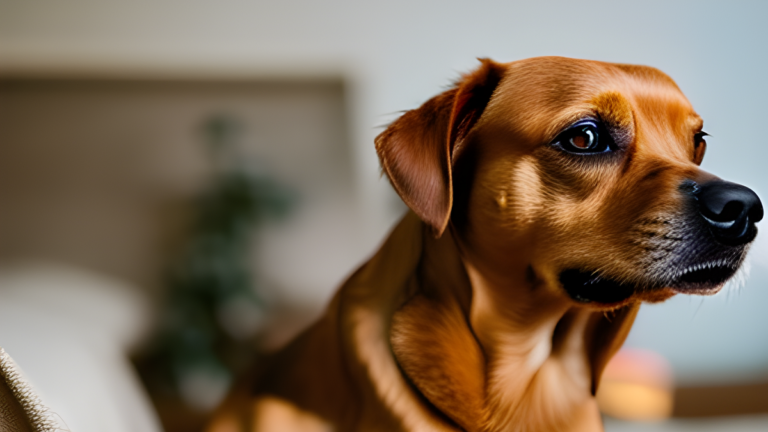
pixel 730 210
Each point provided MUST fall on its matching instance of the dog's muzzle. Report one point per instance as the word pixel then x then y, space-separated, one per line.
pixel 709 246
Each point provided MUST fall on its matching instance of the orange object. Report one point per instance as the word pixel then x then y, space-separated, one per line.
pixel 637 385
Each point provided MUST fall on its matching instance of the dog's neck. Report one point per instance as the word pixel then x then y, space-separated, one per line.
pixel 537 362
pixel 495 353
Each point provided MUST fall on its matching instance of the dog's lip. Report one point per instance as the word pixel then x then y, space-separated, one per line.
pixel 703 278
pixel 590 287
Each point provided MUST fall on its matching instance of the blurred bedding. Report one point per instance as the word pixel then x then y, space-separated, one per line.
pixel 70 331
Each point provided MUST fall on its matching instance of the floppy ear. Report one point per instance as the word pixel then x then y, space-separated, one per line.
pixel 607 333
pixel 417 150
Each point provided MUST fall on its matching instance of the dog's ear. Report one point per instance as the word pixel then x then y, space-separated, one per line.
pixel 417 150
pixel 607 334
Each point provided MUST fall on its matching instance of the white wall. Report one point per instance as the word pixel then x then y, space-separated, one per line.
pixel 398 53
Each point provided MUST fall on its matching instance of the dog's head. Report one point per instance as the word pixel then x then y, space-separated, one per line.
pixel 585 173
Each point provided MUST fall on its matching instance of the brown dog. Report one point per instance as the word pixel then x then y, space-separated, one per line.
pixel 550 197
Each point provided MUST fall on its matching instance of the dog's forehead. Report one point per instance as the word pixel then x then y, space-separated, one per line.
pixel 538 97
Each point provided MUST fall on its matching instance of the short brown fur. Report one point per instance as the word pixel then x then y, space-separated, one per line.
pixel 459 322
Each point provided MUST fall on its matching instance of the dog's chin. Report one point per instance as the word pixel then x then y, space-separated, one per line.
pixel 590 287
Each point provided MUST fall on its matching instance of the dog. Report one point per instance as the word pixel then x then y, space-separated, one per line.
pixel 549 198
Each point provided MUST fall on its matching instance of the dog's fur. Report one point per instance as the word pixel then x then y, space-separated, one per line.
pixel 461 320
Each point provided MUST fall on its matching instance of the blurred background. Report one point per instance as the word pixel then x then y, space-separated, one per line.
pixel 183 186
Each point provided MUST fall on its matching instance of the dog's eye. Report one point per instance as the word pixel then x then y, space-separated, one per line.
pixel 698 139
pixel 584 137
pixel 699 147
pixel 585 140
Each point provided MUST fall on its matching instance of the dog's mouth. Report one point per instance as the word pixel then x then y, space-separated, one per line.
pixel 703 278
pixel 591 287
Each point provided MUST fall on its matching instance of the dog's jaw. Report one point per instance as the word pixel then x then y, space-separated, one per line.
pixel 679 256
